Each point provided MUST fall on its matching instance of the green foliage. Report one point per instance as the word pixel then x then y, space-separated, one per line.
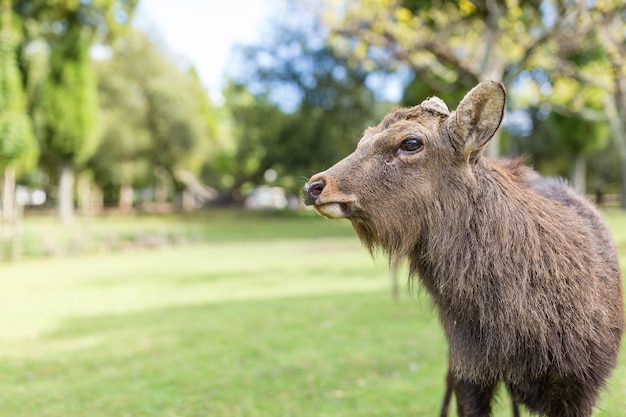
pixel 69 108
pixel 154 115
pixel 556 139
pixel 122 103
pixel 578 135
pixel 604 170
pixel 177 128
pixel 207 122
pixel 104 20
pixel 59 80
pixel 256 132
pixel 17 142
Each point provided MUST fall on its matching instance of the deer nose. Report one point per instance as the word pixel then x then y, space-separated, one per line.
pixel 312 191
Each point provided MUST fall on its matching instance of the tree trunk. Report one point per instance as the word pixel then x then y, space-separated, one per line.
pixel 16 239
pixel 492 68
pixel 84 195
pixel 492 150
pixel 579 174
pixel 618 134
pixel 127 196
pixel 161 190
pixel 8 198
pixel 66 194
pixel 11 214
pixel 188 201
pixel 623 187
pixel 97 200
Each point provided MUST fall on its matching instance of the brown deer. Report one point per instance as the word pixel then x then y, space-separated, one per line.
pixel 522 271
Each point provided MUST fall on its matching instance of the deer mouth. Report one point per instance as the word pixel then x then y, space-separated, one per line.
pixel 332 210
pixel 337 210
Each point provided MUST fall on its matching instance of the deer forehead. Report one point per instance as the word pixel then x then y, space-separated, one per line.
pixel 378 139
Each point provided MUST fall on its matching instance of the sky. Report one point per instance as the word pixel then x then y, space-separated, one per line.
pixel 204 31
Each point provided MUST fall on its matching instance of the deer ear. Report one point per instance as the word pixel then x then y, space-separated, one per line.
pixel 478 116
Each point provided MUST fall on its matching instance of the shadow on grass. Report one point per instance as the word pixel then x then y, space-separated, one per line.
pixel 353 354
pixel 342 355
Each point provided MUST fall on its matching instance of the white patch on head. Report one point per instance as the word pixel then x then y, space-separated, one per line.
pixel 331 210
pixel 435 104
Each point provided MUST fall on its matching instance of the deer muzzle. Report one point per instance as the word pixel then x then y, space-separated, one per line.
pixel 326 199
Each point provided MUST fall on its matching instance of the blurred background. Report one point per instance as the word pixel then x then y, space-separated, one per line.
pixel 155 257
pixel 127 105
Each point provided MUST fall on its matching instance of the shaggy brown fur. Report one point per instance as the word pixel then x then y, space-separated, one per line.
pixel 522 271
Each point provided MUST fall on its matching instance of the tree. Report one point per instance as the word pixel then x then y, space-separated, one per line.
pixel 69 114
pixel 157 118
pixel 176 111
pixel 65 106
pixel 118 165
pixel 17 143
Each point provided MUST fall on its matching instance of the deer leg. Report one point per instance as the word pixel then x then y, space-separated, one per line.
pixel 450 390
pixel 448 394
pixel 473 399
pixel 515 407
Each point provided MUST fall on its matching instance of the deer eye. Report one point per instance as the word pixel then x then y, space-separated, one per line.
pixel 412 145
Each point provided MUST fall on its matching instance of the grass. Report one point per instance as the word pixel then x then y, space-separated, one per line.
pixel 43 237
pixel 264 316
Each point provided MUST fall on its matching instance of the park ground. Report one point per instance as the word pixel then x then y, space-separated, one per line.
pixel 220 315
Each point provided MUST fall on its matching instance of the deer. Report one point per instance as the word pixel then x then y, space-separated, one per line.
pixel 521 270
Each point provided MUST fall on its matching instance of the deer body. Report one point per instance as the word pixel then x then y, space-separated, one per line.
pixel 522 270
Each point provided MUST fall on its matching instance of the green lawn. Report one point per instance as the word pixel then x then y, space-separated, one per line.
pixel 43 237
pixel 262 316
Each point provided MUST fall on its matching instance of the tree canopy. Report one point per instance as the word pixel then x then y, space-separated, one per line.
pixel 17 141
